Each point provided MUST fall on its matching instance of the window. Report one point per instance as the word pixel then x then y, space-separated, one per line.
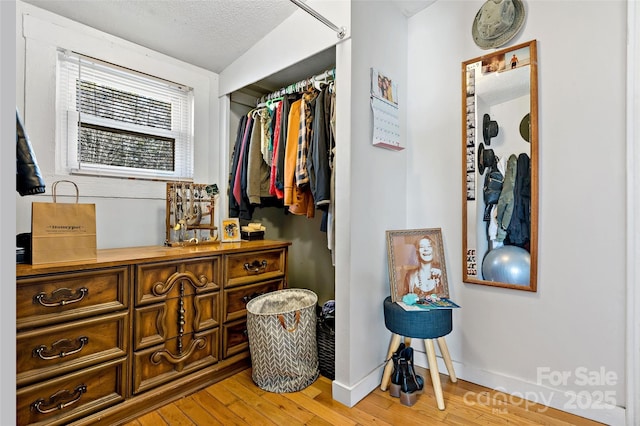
pixel 119 122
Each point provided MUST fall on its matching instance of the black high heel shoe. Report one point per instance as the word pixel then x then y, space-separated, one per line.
pixel 408 355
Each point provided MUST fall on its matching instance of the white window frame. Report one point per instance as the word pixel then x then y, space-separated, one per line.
pixel 71 65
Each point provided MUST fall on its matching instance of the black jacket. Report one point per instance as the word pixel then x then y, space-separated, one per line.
pixel 28 178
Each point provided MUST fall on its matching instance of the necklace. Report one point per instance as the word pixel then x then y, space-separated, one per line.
pixel 428 281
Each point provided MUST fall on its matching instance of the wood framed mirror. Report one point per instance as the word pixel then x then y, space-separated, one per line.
pixel 500 168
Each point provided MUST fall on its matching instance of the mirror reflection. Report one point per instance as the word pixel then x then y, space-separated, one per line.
pixel 500 168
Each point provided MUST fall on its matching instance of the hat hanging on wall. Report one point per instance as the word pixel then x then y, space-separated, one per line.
pixel 497 22
pixel 525 128
pixel 486 158
pixel 489 129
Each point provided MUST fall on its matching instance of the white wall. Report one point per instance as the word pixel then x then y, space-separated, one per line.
pixel 135 208
pixel 576 319
pixel 373 201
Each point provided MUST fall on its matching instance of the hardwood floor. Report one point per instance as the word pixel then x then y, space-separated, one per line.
pixel 238 401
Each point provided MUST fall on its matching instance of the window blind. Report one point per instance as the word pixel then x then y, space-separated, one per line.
pixel 122 122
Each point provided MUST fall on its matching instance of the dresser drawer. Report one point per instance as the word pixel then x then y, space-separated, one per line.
pixel 236 299
pixel 61 400
pixel 159 364
pixel 234 338
pixel 246 268
pixel 156 282
pixel 52 299
pixel 56 350
pixel 154 324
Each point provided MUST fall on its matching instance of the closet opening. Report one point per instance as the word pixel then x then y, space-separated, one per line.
pixel 311 263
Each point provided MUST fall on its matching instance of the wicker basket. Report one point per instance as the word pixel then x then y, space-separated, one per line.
pixel 282 340
pixel 326 336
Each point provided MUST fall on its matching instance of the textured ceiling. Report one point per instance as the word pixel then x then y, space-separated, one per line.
pixel 208 33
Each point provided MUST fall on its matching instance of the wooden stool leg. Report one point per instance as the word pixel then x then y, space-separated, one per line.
pixel 435 375
pixel 444 350
pixel 388 369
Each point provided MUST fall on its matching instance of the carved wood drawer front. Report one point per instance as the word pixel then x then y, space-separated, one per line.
pixel 52 351
pixel 154 324
pixel 160 281
pixel 52 299
pixel 236 299
pixel 234 338
pixel 246 268
pixel 58 401
pixel 173 359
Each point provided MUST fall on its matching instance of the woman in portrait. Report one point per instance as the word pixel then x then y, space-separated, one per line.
pixel 425 279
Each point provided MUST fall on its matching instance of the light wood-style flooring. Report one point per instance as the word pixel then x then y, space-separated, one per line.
pixel 238 401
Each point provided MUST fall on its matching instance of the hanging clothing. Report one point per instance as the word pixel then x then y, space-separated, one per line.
pixel 306 133
pixel 518 232
pixel 234 205
pixel 237 185
pixel 320 151
pixel 505 203
pixel 282 141
pixel 266 136
pixel 258 171
pixel 29 180
pixel 273 189
pixel 298 200
pixel 246 208
pixel 283 156
pixel 331 233
pixel 290 153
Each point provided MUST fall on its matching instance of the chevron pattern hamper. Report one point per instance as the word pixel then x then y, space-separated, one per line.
pixel 282 340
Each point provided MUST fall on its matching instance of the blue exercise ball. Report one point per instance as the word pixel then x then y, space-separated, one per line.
pixel 507 264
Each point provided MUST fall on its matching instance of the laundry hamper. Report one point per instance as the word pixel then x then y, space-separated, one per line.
pixel 326 338
pixel 281 327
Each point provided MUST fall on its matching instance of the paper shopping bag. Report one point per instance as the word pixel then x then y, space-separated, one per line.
pixel 63 232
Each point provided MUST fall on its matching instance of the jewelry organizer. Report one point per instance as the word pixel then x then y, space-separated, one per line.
pixel 190 214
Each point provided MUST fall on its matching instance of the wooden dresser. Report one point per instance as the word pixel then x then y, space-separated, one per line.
pixel 105 341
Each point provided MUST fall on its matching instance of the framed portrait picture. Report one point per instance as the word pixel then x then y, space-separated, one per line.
pixel 230 230
pixel 416 263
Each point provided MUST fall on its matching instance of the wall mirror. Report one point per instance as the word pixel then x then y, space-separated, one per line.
pixel 500 168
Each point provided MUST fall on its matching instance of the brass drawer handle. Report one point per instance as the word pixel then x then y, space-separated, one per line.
pixel 60 349
pixel 256 266
pixel 59 400
pixel 60 297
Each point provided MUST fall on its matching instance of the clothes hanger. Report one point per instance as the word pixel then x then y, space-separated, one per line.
pixel 272 103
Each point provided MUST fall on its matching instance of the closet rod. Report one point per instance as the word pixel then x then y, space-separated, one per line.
pixel 340 31
pixel 297 87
